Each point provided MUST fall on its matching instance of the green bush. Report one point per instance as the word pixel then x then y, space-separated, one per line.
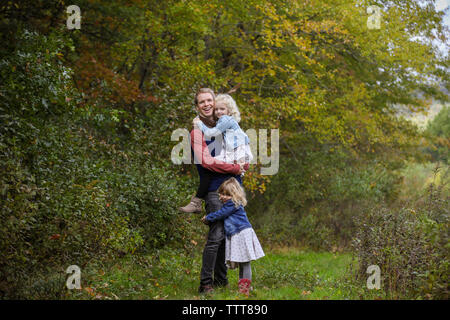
pixel 439 129
pixel 149 197
pixel 69 193
pixel 293 229
pixel 316 199
pixel 34 88
pixel 410 245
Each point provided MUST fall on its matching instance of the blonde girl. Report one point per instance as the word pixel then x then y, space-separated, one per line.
pixel 242 245
pixel 235 148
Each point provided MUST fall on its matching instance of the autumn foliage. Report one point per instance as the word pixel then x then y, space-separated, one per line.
pixel 87 117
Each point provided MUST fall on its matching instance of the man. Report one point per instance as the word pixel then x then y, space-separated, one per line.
pixel 214 270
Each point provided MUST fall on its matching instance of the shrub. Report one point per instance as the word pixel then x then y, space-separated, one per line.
pixel 35 85
pixel 316 199
pixel 439 129
pixel 410 245
pixel 67 194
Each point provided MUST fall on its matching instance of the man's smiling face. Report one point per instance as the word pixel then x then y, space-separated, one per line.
pixel 205 105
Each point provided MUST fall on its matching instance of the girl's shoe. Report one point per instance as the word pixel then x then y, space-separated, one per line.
pixel 244 286
pixel 195 206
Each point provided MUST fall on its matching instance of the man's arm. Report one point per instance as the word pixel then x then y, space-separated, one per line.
pixel 201 153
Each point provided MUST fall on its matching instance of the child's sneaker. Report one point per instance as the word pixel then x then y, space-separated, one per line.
pixel 195 206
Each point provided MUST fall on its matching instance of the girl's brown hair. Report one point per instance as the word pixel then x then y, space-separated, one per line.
pixel 232 188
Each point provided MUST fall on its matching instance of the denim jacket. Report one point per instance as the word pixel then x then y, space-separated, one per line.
pixel 235 219
pixel 234 136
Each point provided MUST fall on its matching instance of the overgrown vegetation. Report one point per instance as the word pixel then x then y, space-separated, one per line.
pixel 87 115
pixel 410 244
pixel 69 196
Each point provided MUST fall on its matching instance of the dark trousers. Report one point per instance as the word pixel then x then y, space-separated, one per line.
pixel 214 270
pixel 203 187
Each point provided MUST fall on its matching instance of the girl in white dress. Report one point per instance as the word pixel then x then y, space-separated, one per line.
pixel 241 244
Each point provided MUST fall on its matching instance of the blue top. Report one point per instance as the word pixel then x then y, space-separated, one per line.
pixel 216 178
pixel 235 219
pixel 232 132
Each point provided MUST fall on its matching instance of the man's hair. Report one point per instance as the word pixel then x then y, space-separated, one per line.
pixel 204 90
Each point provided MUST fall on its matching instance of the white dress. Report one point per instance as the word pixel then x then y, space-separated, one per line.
pixel 243 246
pixel 241 152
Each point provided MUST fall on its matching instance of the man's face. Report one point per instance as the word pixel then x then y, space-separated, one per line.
pixel 205 104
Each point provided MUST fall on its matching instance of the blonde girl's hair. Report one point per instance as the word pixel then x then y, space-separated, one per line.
pixel 230 104
pixel 232 188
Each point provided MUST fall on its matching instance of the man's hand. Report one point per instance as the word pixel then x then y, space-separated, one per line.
pixel 241 168
pixel 204 220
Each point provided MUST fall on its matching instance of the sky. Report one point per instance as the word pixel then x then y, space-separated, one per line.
pixel 442 5
pixel 419 118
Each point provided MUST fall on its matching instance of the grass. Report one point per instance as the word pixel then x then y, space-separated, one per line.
pixel 283 274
